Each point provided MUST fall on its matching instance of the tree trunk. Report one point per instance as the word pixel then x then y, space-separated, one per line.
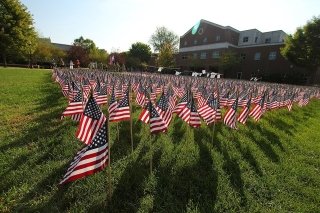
pixel 4 56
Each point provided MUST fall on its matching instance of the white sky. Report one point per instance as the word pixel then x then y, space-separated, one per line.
pixel 115 25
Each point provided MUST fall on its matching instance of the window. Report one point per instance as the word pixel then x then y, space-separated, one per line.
pixel 267 41
pixel 184 57
pixel 272 55
pixel 243 56
pixel 216 54
pixel 218 38
pixel 195 55
pixel 195 42
pixel 255 39
pixel 257 56
pixel 245 39
pixel 203 55
pixel 205 40
pixel 185 43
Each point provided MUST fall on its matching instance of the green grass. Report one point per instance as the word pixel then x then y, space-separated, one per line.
pixel 269 166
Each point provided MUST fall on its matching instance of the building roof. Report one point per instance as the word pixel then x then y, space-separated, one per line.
pixel 64 47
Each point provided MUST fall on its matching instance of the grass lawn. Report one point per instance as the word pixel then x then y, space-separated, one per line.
pixel 269 166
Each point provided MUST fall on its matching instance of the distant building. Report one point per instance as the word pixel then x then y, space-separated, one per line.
pixel 64 47
pixel 202 47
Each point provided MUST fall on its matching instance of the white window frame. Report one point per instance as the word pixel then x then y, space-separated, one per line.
pixel 272 55
pixel 215 54
pixel 203 55
pixel 257 56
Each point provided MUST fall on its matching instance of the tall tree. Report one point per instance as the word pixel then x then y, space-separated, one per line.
pixel 303 47
pixel 166 56
pixel 163 36
pixel 98 55
pixel 46 52
pixel 228 60
pixel 17 34
pixel 86 44
pixel 140 51
pixel 79 53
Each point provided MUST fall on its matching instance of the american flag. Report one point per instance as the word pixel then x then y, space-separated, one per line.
pixel 257 111
pixel 102 97
pixel 113 102
pixel 182 103
pixel 164 109
pixel 194 119
pixel 75 107
pixel 157 124
pixel 207 112
pixel 230 117
pixel 145 114
pixel 90 159
pixel 122 112
pixel 245 112
pixel 140 98
pixel 91 121
pixel 189 114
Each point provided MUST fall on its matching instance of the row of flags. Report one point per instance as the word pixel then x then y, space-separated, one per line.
pixel 160 97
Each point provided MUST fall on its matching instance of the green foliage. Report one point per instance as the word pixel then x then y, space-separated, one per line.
pixel 166 56
pixel 302 48
pixel 228 60
pixel 46 52
pixel 88 52
pixel 98 55
pixel 162 37
pixel 86 44
pixel 17 34
pixel 140 51
pixel 266 166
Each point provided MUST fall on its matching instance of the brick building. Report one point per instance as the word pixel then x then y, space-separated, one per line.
pixel 257 53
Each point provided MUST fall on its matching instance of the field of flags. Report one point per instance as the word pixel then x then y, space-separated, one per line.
pixel 192 99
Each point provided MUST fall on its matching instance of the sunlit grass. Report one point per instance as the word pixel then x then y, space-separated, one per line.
pixel 266 166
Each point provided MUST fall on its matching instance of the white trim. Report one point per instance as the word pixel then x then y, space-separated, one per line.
pixel 223 45
pixel 205 47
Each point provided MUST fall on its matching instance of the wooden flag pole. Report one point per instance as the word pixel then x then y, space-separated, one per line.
pixel 150 147
pixel 109 164
pixel 213 129
pixel 118 131
pixel 131 134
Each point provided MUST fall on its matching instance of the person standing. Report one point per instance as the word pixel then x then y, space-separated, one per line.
pixel 71 64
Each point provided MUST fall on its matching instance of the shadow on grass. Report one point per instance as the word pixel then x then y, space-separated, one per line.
pixel 42 144
pixel 129 188
pixel 260 137
pixel 196 182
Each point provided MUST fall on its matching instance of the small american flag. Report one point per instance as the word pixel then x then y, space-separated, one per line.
pixel 75 106
pixel 122 112
pixel 182 103
pixel 113 102
pixel 102 98
pixel 245 112
pixel 207 112
pixel 230 117
pixel 91 121
pixel 164 109
pixel 90 159
pixel 257 111
pixel 157 124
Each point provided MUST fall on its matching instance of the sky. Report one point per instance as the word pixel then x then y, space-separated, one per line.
pixel 114 25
